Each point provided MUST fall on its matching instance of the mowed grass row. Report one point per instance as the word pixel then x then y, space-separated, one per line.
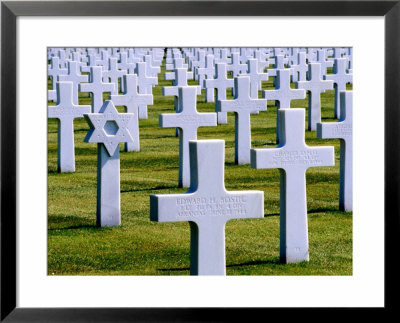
pixel 140 247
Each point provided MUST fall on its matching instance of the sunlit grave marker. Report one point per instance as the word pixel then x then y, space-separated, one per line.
pixel 206 72
pixel 113 74
pixel 66 111
pixel 207 206
pixel 188 120
pixel 96 87
pixel 54 71
pixel 283 94
pixel 145 85
pixel 74 75
pixel 292 157
pixel 131 99
pixel 221 83
pixel 315 86
pixel 256 77
pixel 108 128
pixel 242 105
pixel 340 78
pixel 343 130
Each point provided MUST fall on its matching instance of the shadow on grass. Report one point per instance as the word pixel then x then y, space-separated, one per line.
pixel 69 222
pixel 324 209
pixel 273 261
pixel 271 214
pixel 155 188
pixel 173 269
pixel 75 227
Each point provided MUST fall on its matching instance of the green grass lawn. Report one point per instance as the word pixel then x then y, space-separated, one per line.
pixel 140 247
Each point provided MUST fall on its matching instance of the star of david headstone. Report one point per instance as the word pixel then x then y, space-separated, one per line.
pixel 109 127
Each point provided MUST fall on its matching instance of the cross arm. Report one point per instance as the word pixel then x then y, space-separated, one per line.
pixel 174 207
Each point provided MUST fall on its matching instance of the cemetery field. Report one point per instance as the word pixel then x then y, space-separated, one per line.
pixel 141 247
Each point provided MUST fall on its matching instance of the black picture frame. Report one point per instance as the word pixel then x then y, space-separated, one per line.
pixel 10 10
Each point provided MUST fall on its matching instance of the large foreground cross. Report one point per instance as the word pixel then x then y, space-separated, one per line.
pixel 207 206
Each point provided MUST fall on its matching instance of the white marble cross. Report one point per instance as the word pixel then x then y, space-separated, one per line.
pixel 325 63
pixel 125 64
pixel 283 94
pixel 108 128
pixel 343 130
pixel 113 74
pixel 293 157
pixel 96 87
pixel 188 120
pixel 207 206
pixel 340 78
pixel 91 63
pixel 221 83
pixel 178 62
pixel 145 82
pixel 200 62
pixel 132 100
pixel 315 86
pixel 223 57
pixel 256 77
pixel 181 76
pixel 278 65
pixel 300 69
pixel 242 105
pixel 145 85
pixel 103 61
pixel 172 75
pixel 207 72
pixel 236 67
pixel 66 111
pixel 150 69
pixel 263 62
pixel 54 71
pixel 74 75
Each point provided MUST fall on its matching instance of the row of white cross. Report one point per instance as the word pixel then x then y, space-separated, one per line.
pixel 207 205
